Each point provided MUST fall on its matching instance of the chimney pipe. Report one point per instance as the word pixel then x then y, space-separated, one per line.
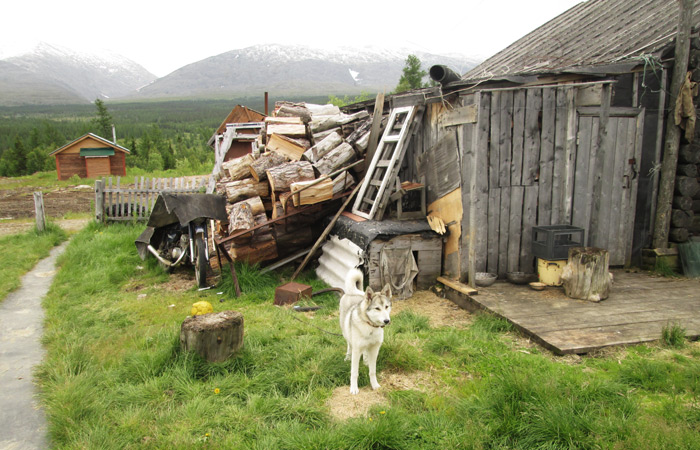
pixel 443 74
pixel 114 134
pixel 266 108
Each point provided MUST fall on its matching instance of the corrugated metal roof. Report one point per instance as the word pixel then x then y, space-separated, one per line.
pixel 595 32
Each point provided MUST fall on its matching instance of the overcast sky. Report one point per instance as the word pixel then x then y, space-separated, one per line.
pixel 165 35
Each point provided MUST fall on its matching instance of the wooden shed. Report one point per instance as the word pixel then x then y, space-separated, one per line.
pixel 236 134
pixel 563 127
pixel 90 156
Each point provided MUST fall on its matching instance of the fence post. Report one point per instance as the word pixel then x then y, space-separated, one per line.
pixel 99 201
pixel 39 210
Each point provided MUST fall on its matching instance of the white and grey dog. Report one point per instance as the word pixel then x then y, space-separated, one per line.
pixel 363 316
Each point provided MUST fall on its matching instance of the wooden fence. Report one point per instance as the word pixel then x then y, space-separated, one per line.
pixel 120 201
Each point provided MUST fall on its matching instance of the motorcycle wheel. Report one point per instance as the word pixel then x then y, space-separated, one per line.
pixel 200 261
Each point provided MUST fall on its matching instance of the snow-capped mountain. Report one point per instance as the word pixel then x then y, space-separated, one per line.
pixel 294 70
pixel 50 74
pixel 61 74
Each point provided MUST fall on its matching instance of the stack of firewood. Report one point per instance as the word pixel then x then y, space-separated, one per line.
pixel 303 154
pixel 687 192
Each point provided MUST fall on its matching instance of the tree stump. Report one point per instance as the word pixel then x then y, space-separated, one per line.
pixel 586 275
pixel 214 336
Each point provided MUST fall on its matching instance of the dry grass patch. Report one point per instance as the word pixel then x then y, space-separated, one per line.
pixel 439 311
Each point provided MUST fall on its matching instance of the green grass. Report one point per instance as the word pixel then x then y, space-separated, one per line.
pixel 114 376
pixel 20 252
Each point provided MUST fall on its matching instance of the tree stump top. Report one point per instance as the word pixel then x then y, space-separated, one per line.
pixel 213 321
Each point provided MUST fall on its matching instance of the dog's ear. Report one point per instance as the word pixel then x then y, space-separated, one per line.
pixel 387 290
pixel 369 293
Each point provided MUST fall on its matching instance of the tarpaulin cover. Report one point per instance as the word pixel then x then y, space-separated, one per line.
pixel 183 208
pixel 363 233
pixel 171 208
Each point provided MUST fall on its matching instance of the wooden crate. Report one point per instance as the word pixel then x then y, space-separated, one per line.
pixel 427 251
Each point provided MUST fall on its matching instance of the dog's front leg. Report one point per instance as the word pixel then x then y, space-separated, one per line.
pixel 372 363
pixel 354 370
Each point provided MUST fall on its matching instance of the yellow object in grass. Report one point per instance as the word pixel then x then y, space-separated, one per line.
pixel 201 308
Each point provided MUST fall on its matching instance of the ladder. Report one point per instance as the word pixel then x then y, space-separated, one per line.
pixel 379 181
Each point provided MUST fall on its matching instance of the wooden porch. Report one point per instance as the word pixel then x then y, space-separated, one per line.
pixel 639 306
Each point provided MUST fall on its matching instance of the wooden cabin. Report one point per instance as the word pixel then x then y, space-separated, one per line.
pixel 237 132
pixel 563 127
pixel 90 156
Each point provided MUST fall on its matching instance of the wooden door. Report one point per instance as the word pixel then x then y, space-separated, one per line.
pixel 607 211
pixel 97 166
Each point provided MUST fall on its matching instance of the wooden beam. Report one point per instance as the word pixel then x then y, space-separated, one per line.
pixel 662 221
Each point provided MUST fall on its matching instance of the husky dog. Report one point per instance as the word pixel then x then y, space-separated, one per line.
pixel 363 316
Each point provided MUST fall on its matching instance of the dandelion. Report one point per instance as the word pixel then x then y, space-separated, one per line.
pixel 206 434
pixel 217 390
pixel 382 412
pixel 370 419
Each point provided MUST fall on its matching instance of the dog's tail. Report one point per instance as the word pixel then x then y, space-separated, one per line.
pixel 354 282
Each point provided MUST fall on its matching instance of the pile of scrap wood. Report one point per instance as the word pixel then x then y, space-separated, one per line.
pixel 281 192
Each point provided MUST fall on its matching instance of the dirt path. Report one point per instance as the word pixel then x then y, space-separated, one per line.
pixel 22 421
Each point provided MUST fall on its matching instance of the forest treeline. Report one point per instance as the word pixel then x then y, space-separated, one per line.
pixel 160 135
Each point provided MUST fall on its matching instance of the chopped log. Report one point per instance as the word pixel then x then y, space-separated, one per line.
pixel 335 159
pixel 681 219
pixel 687 170
pixel 687 186
pixel 288 147
pixel 359 132
pixel 236 191
pixel 266 161
pixel 291 239
pixel 689 154
pixel 322 110
pixel 257 251
pixel 281 177
pixel 240 218
pixel 363 142
pixel 678 235
pixel 684 203
pixel 336 121
pixel 586 275
pixel 291 130
pixel 214 336
pixel 284 120
pixel 238 168
pixel 342 183
pixel 318 137
pixel 322 148
pixel 320 192
pixel 293 110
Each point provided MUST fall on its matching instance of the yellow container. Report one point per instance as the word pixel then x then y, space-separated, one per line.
pixel 550 271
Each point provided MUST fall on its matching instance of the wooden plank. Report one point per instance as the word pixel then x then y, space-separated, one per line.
pixel 527 260
pixel 457 286
pixel 465 135
pixel 495 123
pixel 459 116
pixel 504 228
pixel 517 194
pixel 602 147
pixel 478 186
pixel 518 139
pixel 531 145
pixel 546 156
pixel 582 193
pixel 628 217
pixel 505 138
pixel 621 155
pixel 559 173
pixel 570 154
pixel 493 234
pixel 606 188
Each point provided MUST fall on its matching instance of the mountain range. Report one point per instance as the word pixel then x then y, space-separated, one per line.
pixel 51 74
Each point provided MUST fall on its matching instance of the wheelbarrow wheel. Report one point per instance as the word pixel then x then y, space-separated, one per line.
pixel 200 261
